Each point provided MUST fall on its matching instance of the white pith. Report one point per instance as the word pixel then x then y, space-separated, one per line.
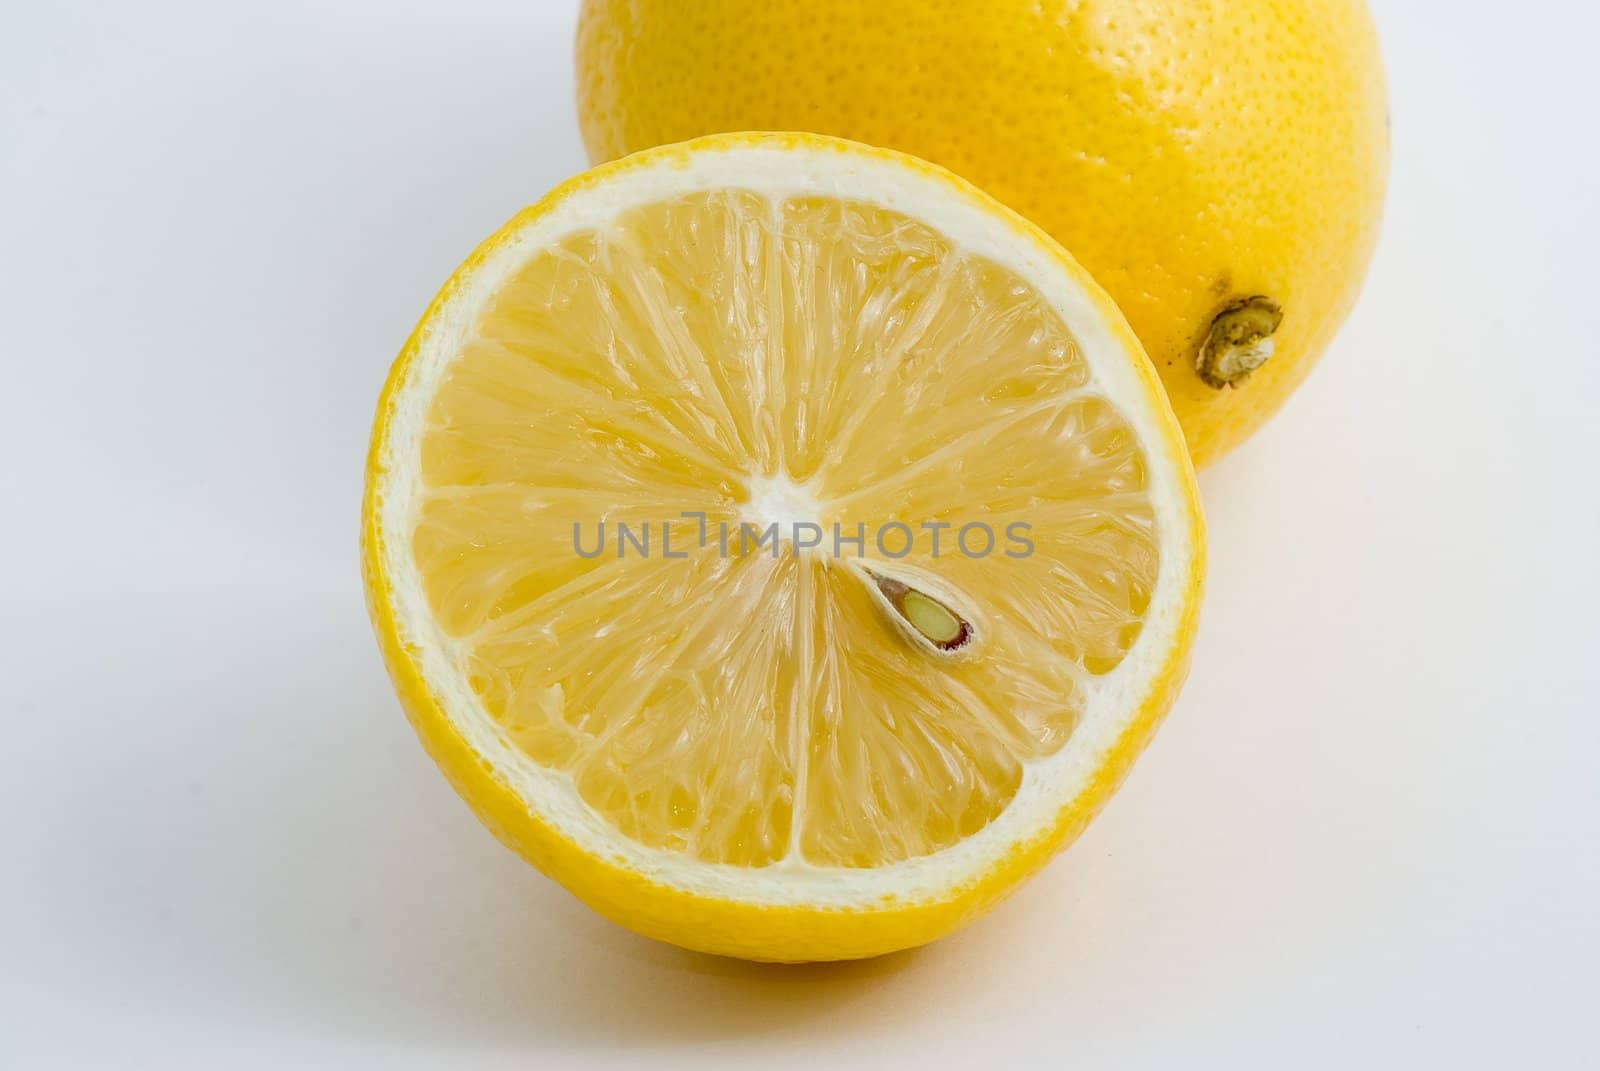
pixel 779 500
pixel 972 224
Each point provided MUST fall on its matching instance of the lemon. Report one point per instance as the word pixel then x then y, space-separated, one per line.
pixel 1218 167
pixel 652 544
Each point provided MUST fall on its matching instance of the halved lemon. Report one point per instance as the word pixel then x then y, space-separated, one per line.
pixel 780 543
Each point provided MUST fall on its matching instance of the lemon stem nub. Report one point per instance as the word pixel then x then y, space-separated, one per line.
pixel 927 616
pixel 1239 342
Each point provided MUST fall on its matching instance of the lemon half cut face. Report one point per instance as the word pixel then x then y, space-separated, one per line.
pixel 780 543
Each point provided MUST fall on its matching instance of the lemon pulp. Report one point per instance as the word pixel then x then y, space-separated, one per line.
pixel 746 358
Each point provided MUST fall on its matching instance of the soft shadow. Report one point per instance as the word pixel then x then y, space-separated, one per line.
pixel 282 853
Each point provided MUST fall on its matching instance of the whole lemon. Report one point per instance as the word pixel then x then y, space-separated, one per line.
pixel 1218 165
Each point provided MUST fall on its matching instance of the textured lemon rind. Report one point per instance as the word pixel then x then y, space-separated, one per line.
pixel 1189 152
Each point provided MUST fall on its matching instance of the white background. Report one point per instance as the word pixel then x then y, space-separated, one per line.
pixel 1368 836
